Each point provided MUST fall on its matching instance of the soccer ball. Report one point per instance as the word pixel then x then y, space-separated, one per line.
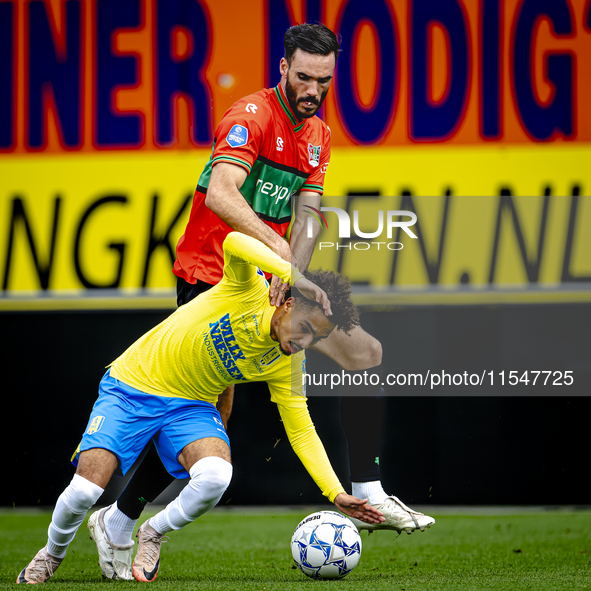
pixel 326 545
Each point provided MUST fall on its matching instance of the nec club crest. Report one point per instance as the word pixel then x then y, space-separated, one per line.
pixel 314 155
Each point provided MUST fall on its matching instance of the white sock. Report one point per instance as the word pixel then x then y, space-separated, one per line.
pixel 71 508
pixel 210 478
pixel 119 526
pixel 369 490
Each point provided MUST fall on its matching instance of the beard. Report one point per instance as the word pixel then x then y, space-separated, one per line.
pixel 292 99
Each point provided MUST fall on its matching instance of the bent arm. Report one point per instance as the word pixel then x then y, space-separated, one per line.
pixel 307 445
pixel 302 246
pixel 243 253
pixel 225 200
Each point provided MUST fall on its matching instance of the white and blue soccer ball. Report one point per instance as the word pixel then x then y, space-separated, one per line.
pixel 326 545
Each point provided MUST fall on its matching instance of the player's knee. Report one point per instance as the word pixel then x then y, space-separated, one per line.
pixel 81 494
pixel 218 477
pixel 212 476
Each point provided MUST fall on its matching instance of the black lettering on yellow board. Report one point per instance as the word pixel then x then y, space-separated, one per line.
pixel 531 263
pixel 557 233
pixel 20 218
pixel 43 256
pixel 567 276
pixel 507 220
pixel 162 240
pixel 351 196
pixel 432 265
pixel 118 247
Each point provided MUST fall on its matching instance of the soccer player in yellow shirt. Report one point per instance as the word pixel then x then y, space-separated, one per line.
pixel 164 387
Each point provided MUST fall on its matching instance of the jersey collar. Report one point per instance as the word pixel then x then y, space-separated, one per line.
pixel 289 114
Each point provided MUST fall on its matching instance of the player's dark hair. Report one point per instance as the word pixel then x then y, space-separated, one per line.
pixel 311 38
pixel 338 289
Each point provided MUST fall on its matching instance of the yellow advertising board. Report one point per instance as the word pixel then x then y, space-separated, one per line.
pixel 472 115
pixel 487 218
pixel 94 221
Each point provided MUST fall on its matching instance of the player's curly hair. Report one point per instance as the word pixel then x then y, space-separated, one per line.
pixel 311 38
pixel 338 289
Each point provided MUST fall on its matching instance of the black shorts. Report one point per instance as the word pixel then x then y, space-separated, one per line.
pixel 185 291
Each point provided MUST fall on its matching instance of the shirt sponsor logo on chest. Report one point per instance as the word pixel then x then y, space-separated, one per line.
pixel 277 191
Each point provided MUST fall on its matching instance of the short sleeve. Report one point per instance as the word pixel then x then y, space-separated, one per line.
pixel 239 136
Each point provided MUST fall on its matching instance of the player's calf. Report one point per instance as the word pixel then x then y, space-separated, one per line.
pixel 210 477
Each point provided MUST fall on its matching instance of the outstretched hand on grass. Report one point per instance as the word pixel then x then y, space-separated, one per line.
pixel 358 508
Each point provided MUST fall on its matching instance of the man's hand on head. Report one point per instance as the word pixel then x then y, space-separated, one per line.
pixel 278 288
pixel 277 291
pixel 312 292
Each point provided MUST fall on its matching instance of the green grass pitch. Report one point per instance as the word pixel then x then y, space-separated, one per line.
pixel 249 549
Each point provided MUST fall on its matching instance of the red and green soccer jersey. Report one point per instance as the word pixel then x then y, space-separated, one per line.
pixel 282 156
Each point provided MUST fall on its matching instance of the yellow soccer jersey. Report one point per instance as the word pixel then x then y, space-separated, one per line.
pixel 222 337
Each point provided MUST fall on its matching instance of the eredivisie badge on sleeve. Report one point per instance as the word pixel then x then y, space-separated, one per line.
pixel 314 155
pixel 238 136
